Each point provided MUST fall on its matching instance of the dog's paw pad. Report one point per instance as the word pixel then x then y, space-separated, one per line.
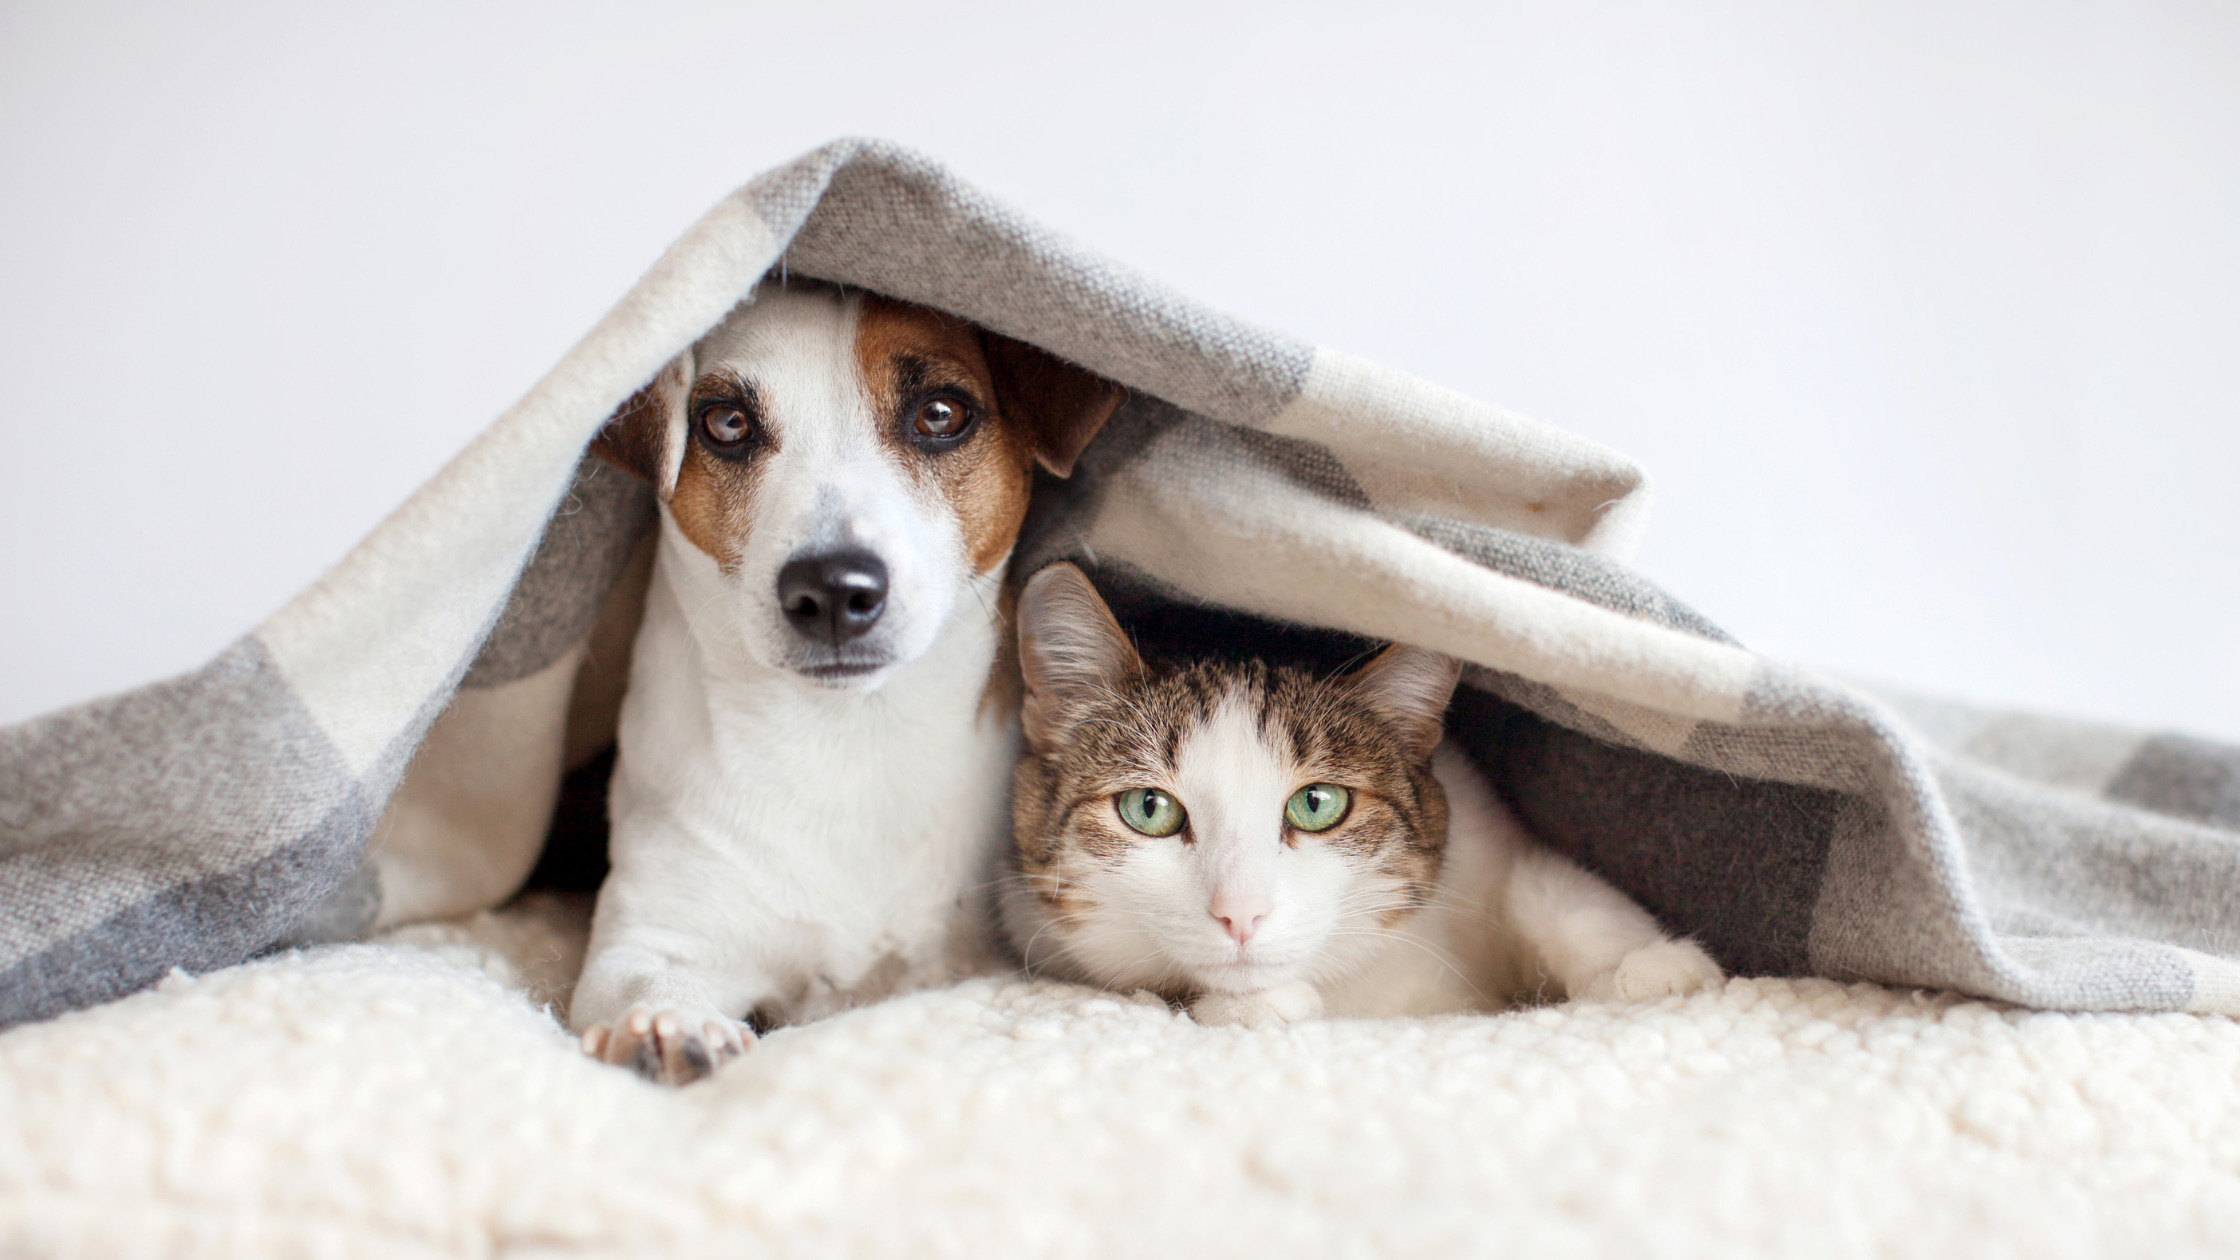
pixel 666 1047
pixel 1665 969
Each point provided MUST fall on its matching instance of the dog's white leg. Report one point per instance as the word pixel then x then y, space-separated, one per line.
pixel 668 976
pixel 642 1010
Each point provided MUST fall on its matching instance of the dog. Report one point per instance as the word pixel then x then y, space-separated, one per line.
pixel 810 795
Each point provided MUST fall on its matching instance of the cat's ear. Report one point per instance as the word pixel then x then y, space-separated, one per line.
pixel 1409 687
pixel 1069 646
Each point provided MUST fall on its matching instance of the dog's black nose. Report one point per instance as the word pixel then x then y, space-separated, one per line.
pixel 835 596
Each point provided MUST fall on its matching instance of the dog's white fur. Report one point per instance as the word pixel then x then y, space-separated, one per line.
pixel 779 841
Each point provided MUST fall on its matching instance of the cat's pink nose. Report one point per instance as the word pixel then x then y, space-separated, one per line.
pixel 1240 916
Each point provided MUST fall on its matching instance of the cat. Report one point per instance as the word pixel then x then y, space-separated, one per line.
pixel 1266 845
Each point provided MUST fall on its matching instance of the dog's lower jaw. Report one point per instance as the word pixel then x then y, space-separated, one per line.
pixel 791 846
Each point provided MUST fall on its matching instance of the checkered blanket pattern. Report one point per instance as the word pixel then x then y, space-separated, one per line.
pixel 1792 823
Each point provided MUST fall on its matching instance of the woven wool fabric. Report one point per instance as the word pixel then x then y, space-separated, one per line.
pixel 1792 824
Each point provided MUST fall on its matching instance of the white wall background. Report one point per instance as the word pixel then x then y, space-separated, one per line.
pixel 1926 317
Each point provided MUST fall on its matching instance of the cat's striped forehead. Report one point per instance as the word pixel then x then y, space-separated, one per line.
pixel 1311 729
pixel 1231 741
pixel 1146 727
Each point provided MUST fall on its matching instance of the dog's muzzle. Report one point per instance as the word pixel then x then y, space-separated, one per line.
pixel 834 596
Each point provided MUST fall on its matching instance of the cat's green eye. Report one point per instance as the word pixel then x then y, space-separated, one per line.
pixel 1150 811
pixel 1317 807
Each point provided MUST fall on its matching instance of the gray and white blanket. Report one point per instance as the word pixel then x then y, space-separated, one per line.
pixel 1793 824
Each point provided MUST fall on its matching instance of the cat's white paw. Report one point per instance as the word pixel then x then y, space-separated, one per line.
pixel 1266 1008
pixel 1665 969
pixel 667 1047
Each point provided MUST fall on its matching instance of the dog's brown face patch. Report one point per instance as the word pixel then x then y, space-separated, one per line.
pixel 727 445
pixel 961 415
pixel 930 387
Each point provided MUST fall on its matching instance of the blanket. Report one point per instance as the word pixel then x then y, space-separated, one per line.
pixel 1794 825
pixel 409 1098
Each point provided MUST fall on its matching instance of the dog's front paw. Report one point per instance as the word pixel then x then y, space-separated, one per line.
pixel 1266 1008
pixel 667 1047
pixel 1665 969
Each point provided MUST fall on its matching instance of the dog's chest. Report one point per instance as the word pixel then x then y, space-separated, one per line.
pixel 876 813
pixel 825 835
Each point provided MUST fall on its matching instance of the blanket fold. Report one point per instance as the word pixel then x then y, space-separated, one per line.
pixel 1794 824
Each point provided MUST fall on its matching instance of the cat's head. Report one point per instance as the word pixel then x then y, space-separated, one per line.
pixel 1214 827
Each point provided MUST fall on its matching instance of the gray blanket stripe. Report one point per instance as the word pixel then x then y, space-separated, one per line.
pixel 1734 862
pixel 886 208
pixel 196 924
pixel 1597 579
pixel 583 551
pixel 2184 778
pixel 128 823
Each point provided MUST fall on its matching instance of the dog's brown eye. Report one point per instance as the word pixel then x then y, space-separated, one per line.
pixel 941 418
pixel 726 425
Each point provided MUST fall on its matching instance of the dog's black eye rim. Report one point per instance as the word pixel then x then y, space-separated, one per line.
pixel 726 426
pixel 925 419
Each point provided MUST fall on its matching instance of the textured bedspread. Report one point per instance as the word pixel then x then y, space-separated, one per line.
pixel 400 1100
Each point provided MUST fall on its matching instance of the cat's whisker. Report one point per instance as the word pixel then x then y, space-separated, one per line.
pixel 1375 896
pixel 1067 921
pixel 1351 906
pixel 1082 942
pixel 1446 899
pixel 1409 938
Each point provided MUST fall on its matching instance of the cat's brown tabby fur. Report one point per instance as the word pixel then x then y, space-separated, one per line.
pixel 1118 738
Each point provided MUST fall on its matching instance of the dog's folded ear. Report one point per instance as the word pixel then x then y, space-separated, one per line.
pixel 1058 405
pixel 645 436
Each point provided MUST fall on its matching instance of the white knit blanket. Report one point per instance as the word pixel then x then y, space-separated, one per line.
pixel 410 1098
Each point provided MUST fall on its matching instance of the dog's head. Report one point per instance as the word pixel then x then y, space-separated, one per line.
pixel 852 465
